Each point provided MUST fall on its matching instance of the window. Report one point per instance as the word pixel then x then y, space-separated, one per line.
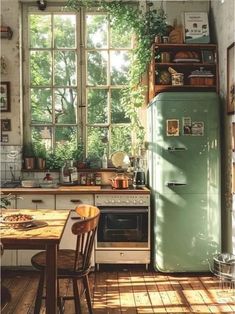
pixel 74 73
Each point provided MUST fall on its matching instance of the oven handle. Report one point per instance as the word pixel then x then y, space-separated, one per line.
pixel 128 210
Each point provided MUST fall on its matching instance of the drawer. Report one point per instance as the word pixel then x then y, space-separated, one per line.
pixel 40 201
pixel 71 201
pixel 122 257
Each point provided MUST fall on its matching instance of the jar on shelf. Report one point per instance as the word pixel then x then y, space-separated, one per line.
pixel 177 79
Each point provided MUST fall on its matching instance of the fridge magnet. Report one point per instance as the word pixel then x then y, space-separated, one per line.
pixel 198 128
pixel 5 96
pixel 196 27
pixel 4 138
pixel 5 124
pixel 231 79
pixel 172 127
pixel 187 126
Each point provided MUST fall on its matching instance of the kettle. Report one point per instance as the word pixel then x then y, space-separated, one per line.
pixel 120 181
pixel 139 179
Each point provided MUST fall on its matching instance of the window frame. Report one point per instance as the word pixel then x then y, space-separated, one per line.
pixel 82 87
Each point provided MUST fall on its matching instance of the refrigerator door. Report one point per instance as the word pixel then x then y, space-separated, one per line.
pixel 186 181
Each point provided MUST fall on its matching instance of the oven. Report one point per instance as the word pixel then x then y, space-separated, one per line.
pixel 123 234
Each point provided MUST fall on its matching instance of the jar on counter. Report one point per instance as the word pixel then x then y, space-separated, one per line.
pixel 83 179
pixel 98 179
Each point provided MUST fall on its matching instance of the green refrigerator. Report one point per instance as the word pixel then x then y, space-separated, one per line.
pixel 184 179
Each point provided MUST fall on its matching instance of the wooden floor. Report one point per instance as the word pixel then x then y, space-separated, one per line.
pixel 130 290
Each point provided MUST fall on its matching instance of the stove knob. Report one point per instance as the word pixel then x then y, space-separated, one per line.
pixel 127 201
pixel 112 201
pixel 118 201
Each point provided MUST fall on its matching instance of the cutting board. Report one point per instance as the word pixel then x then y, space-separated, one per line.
pixel 80 188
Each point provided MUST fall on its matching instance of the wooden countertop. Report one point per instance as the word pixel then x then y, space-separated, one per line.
pixel 75 190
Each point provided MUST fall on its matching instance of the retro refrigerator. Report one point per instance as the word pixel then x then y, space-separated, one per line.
pixel 184 178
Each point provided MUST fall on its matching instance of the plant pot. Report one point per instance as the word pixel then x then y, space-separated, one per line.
pixel 29 163
pixel 41 163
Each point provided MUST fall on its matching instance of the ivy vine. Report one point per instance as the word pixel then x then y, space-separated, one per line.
pixel 145 25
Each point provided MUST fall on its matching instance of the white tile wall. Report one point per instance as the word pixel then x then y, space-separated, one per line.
pixel 11 162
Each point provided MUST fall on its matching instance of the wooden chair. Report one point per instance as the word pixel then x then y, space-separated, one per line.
pixel 72 264
pixel 5 293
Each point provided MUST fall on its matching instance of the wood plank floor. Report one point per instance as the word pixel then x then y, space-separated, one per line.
pixel 129 290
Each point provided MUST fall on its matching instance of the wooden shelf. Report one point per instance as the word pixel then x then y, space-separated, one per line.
pixel 158 66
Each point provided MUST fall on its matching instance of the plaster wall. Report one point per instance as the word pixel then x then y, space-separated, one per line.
pixel 223 19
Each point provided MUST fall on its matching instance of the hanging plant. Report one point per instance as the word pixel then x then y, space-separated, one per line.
pixel 145 26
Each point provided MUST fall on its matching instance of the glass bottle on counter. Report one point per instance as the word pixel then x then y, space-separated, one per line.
pixel 69 173
pixel 104 160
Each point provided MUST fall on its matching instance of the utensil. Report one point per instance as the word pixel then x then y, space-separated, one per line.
pixel 120 159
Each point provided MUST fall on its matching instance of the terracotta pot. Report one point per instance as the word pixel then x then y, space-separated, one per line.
pixel 29 163
pixel 41 163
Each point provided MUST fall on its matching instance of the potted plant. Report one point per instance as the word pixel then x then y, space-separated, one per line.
pixel 77 155
pixel 29 156
pixel 41 155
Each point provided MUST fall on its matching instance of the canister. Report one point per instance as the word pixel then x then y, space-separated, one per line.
pixel 177 79
pixel 83 178
pixel 165 57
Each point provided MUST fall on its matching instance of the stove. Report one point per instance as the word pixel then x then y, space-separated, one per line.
pixel 123 234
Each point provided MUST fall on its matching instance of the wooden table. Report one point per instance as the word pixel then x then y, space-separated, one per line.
pixel 44 238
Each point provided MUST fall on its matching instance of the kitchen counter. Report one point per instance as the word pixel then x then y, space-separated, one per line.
pixel 77 189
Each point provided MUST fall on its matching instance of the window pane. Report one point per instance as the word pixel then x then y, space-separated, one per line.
pixel 65 105
pixel 121 39
pixel 97 68
pixel 41 103
pixel 120 139
pixel 96 31
pixel 40 31
pixel 42 134
pixel 117 109
pixel 40 67
pixel 95 145
pixel 120 63
pixel 66 135
pixel 65 68
pixel 64 31
pixel 97 105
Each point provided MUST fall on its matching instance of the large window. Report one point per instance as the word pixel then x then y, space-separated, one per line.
pixel 75 67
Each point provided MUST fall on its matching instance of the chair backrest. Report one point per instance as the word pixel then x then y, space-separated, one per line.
pixel 85 229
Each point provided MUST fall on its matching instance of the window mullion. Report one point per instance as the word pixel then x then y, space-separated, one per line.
pixel 53 80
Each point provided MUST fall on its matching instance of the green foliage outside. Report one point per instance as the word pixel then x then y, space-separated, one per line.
pixel 145 26
pixel 54 107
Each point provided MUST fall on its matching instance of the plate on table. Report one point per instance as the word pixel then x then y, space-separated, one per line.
pixel 120 159
pixel 17 220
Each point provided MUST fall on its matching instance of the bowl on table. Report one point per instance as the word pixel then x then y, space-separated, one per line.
pixel 17 220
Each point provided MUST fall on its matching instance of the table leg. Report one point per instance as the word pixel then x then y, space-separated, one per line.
pixel 51 281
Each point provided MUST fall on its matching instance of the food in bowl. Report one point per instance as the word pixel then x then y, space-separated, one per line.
pixel 16 220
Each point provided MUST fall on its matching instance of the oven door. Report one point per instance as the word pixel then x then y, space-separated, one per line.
pixel 121 227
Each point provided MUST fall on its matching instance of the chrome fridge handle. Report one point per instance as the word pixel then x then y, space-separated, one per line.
pixel 176 149
pixel 172 184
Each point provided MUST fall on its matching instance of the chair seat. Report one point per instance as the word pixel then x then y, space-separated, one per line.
pixel 65 262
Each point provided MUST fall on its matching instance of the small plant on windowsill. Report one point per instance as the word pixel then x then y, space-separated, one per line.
pixel 145 26
pixel 40 154
pixel 29 156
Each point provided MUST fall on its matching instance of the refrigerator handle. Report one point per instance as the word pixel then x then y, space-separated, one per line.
pixel 172 184
pixel 176 149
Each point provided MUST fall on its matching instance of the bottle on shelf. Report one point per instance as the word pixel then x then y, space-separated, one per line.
pixel 104 160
